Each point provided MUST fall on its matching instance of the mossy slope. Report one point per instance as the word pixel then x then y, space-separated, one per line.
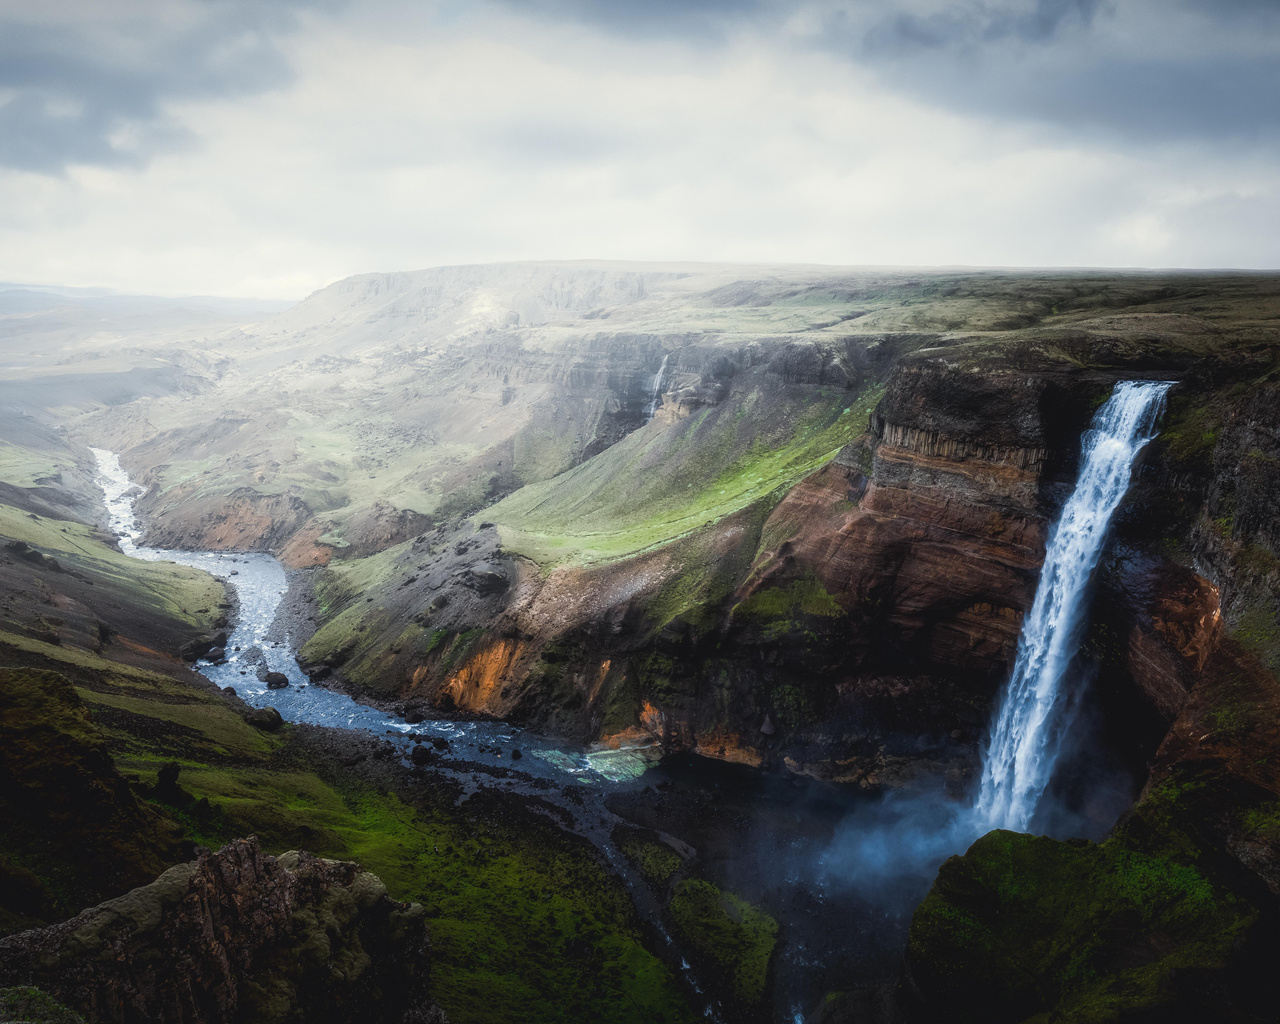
pixel 526 924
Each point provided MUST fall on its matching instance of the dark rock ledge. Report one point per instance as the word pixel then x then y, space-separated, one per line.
pixel 237 935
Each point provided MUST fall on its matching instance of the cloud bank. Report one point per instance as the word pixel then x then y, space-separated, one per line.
pixel 250 147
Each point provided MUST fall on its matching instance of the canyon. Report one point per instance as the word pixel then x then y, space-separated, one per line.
pixel 771 526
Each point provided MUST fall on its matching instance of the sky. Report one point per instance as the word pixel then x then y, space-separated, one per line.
pixel 268 147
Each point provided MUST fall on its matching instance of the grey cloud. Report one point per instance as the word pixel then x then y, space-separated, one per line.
pixel 89 90
pixel 697 19
pixel 1181 69
pixel 1194 71
pixel 1037 22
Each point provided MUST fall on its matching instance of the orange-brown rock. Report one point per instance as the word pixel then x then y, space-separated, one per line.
pixel 941 553
pixel 1167 619
pixel 303 550
pixel 243 520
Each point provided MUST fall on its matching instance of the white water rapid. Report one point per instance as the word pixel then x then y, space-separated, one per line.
pixel 1037 707
pixel 655 389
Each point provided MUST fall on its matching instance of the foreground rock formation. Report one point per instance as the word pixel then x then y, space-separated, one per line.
pixel 237 935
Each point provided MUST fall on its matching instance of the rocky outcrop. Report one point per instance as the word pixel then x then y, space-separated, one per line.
pixel 237 935
pixel 71 830
pixel 244 520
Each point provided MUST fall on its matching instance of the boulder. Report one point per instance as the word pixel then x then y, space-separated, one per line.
pixel 277 681
pixel 237 935
pixel 267 719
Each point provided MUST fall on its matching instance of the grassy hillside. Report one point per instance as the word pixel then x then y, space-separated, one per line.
pixel 667 480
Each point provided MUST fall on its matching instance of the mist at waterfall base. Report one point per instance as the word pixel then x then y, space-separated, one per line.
pixel 1047 768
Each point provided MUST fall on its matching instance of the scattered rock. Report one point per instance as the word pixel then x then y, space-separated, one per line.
pixel 267 719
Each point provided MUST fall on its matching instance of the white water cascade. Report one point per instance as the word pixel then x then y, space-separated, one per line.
pixel 1036 711
pixel 655 389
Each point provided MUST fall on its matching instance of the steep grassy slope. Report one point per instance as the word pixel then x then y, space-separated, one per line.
pixel 669 479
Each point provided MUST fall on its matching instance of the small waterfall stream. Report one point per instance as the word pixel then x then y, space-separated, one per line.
pixel 655 389
pixel 1036 711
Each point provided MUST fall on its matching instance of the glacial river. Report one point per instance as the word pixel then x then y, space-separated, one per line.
pixel 763 834
pixel 258 644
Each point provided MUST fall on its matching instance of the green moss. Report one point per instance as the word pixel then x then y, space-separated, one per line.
pixel 804 597
pixel 1264 823
pixel 1258 631
pixel 658 863
pixel 1191 428
pixel 1022 924
pixel 31 1006
pixel 71 834
pixel 525 923
pixel 733 936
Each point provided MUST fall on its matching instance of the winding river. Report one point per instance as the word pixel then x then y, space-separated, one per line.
pixel 774 838
pixel 479 753
pixel 259 644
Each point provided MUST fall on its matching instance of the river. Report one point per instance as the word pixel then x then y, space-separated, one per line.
pixel 258 644
pixel 773 838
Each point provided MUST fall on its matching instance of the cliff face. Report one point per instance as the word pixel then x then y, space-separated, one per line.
pixel 237 935
pixel 853 625
pixel 1174 915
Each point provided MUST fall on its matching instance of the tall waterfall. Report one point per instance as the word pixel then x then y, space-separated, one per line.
pixel 655 389
pixel 1027 736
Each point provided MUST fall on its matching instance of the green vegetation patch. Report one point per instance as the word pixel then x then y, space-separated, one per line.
pixel 1021 924
pixel 665 481
pixel 656 861
pixel 31 1006
pixel 736 938
pixel 526 924
pixel 804 597
pixel 165 588
pixel 24 467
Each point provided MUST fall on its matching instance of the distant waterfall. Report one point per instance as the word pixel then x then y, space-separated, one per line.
pixel 1035 714
pixel 655 390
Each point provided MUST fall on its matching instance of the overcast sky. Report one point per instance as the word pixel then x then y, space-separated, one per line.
pixel 268 147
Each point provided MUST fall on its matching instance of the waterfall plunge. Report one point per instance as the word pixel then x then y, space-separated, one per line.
pixel 1036 709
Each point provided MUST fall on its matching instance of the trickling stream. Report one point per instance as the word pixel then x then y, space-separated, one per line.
pixel 1037 709
pixel 655 389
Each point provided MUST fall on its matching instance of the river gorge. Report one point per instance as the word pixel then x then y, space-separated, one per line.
pixel 781 646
